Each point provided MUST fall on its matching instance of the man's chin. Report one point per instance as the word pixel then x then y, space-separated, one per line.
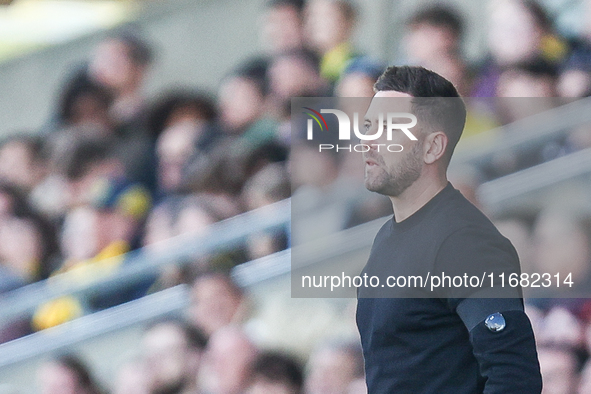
pixel 380 188
pixel 373 186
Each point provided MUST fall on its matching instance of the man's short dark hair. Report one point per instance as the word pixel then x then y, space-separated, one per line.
pixel 428 88
pixel 439 15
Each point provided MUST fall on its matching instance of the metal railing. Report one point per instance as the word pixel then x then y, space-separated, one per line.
pixel 280 263
pixel 175 300
pixel 496 193
pixel 163 303
pixel 522 134
pixel 144 262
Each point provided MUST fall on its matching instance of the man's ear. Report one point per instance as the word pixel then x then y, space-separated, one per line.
pixel 435 146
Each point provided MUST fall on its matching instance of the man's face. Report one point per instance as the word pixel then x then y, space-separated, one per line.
pixel 391 173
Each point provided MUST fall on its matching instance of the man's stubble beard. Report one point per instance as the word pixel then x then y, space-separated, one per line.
pixel 394 181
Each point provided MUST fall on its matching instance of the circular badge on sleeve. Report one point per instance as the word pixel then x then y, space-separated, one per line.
pixel 495 322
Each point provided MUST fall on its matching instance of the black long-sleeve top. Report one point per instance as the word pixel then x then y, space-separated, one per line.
pixel 420 341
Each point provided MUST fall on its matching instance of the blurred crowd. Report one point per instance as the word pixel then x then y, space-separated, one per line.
pixel 114 170
pixel 181 356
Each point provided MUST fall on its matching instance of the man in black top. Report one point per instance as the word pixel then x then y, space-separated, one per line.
pixel 455 339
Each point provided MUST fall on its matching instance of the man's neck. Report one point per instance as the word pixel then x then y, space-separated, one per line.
pixel 416 196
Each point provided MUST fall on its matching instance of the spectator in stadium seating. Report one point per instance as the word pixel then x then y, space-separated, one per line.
pixel 28 247
pixel 575 77
pixel 269 185
pixel 66 374
pixel 329 27
pixel 179 106
pixel 359 77
pixel 179 214
pixel 536 78
pixel 295 74
pixel 281 33
pixel 116 211
pixel 216 302
pixel 83 163
pixel 71 161
pixel 241 102
pixel 559 368
pixel 229 361
pixel 95 239
pixel 574 81
pixel 174 147
pixel 78 237
pixel 433 32
pixel 527 20
pixel 282 26
pixel 13 201
pixel 21 161
pixel 84 103
pixel 121 63
pixel 561 243
pixel 28 250
pixel 192 215
pixel 121 208
pixel 172 352
pixel 276 373
pixel 433 39
pixel 333 366
pixel 227 168
pixel 181 125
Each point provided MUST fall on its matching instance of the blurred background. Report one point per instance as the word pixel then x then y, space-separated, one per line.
pixel 147 165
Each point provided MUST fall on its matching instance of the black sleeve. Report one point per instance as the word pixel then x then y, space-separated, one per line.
pixel 507 358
